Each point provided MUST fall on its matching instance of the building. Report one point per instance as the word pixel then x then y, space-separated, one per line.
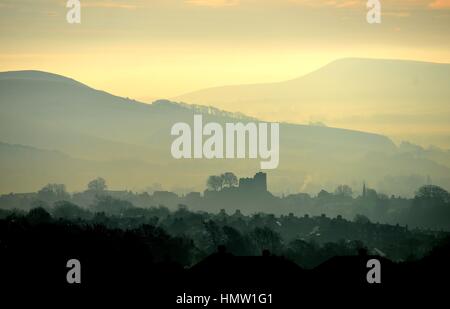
pixel 257 183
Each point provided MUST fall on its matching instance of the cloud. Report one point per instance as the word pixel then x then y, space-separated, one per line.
pixel 213 3
pixel 440 4
pixel 401 4
pixel 109 5
pixel 397 14
pixel 51 13
pixel 329 3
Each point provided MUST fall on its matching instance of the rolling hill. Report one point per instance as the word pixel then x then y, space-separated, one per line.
pixel 128 142
pixel 406 100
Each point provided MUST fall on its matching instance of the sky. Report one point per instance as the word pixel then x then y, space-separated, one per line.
pixel 164 48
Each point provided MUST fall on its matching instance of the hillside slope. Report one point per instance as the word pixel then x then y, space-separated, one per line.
pixel 103 131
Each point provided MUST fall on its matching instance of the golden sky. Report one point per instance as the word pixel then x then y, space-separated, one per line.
pixel 164 48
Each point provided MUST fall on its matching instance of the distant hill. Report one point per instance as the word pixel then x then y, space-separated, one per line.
pixel 128 143
pixel 38 76
pixel 388 96
pixel 25 168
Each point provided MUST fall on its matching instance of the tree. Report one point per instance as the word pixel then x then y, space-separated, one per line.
pixel 344 191
pixel 97 185
pixel 236 243
pixel 229 179
pixel 214 183
pixel 53 192
pixel 371 194
pixel 38 215
pixel 266 239
pixel 323 194
pixel 111 205
pixel 67 210
pixel 215 233
pixel 431 192
pixel 361 219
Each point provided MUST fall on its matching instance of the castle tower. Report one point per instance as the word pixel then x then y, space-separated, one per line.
pixel 257 183
pixel 261 181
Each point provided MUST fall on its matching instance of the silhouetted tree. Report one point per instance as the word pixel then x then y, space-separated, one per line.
pixel 432 192
pixel 111 205
pixel 214 183
pixel 38 215
pixel 361 219
pixel 266 239
pixel 53 192
pixel 229 179
pixel 39 203
pixel 215 233
pixel 323 194
pixel 97 185
pixel 343 191
pixel 236 242
pixel 371 194
pixel 70 211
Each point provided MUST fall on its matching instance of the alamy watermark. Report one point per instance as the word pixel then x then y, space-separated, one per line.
pixel 74 273
pixel 74 14
pixel 228 143
pixel 374 14
pixel 374 274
